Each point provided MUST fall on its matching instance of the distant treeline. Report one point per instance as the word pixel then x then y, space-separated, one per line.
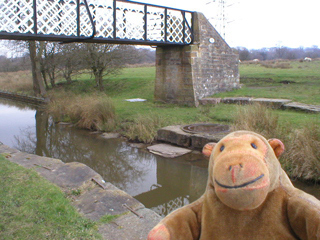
pixel 278 53
pixel 143 56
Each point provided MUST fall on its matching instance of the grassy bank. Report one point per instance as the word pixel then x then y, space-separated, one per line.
pixel 33 208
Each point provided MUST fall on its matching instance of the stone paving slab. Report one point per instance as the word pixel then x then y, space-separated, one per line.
pixel 128 227
pixel 274 103
pixel 168 151
pixel 96 197
pixel 98 202
pixel 236 100
pixel 303 107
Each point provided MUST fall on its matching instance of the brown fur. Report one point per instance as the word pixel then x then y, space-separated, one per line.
pixel 248 196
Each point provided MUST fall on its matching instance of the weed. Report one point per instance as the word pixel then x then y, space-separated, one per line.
pixel 76 192
pixel 108 218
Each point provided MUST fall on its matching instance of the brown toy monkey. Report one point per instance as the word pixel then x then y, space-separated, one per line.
pixel 248 196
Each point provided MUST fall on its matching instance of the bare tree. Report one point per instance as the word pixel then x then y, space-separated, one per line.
pixel 49 62
pixel 105 59
pixel 69 60
pixel 35 57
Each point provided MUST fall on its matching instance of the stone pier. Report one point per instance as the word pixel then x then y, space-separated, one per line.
pixel 185 74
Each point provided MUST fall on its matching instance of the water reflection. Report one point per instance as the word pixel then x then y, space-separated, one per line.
pixel 159 183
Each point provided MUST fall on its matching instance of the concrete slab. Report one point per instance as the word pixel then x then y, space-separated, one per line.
pixel 169 151
pixel 174 135
pixel 199 140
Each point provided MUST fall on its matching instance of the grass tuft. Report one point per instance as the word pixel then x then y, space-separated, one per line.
pixel 144 128
pixel 89 112
pixel 257 118
pixel 303 152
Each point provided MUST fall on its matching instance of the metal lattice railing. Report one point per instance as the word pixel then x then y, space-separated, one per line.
pixel 94 21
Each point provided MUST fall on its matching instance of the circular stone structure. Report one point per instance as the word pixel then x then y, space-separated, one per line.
pixel 205 128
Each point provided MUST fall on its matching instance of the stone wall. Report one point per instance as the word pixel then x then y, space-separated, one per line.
pixel 186 74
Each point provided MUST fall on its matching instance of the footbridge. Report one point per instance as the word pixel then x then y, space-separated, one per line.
pixel 192 60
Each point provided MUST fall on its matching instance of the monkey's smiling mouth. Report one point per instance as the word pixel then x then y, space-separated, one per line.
pixel 241 185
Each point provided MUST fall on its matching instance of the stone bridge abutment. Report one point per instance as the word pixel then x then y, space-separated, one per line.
pixel 185 74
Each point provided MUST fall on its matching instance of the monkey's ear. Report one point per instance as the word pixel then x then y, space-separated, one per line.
pixel 277 145
pixel 207 149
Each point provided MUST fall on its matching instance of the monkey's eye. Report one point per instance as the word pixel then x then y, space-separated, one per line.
pixel 254 146
pixel 221 148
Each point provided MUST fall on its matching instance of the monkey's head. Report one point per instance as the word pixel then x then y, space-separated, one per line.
pixel 244 168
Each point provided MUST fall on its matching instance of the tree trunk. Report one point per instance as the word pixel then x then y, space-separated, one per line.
pixel 38 86
pixel 44 76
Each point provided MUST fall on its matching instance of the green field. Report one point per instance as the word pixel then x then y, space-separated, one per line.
pixel 257 81
pixel 300 82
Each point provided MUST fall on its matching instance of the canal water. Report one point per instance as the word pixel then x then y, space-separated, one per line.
pixel 159 183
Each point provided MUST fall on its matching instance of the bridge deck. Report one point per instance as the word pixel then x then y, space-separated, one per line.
pixel 105 21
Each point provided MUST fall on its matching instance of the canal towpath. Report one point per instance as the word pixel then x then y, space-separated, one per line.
pixel 97 197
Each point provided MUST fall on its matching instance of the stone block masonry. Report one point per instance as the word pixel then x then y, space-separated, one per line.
pixel 185 74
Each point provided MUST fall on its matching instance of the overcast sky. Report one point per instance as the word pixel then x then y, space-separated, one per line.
pixel 255 24
pixel 258 24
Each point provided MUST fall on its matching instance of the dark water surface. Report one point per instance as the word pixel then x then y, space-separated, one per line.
pixel 159 183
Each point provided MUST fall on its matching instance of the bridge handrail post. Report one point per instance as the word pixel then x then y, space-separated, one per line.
pixel 184 26
pixel 114 19
pixel 78 18
pixel 165 24
pixel 35 27
pixel 145 18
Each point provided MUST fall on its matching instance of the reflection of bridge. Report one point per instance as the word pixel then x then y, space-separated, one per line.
pixel 192 59
pixel 94 20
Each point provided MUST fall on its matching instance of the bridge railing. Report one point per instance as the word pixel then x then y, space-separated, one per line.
pixel 115 21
